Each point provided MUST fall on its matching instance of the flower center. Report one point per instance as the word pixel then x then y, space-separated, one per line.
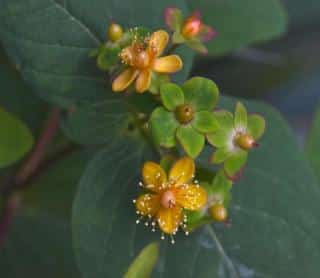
pixel 184 113
pixel 168 200
pixel 141 59
pixel 245 141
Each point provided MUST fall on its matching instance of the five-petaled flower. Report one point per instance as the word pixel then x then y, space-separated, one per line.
pixel 187 115
pixel 191 30
pixel 142 59
pixel 238 134
pixel 169 196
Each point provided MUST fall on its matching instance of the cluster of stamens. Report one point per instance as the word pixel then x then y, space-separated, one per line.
pixel 167 200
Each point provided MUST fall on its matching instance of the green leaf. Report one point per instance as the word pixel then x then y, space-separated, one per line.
pixel 53 190
pixel 15 139
pixel 201 93
pixel 38 245
pixel 204 121
pixel 97 123
pixel 191 141
pixel 241 22
pixel 274 212
pixel 171 96
pixel 16 97
pixel 256 125
pixel 234 164
pixel 52 50
pixel 143 265
pixel 240 116
pixel 313 144
pixel 163 127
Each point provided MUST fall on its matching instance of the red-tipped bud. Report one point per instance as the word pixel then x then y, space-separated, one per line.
pixel 191 26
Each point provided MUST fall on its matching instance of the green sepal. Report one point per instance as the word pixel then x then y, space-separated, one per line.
pixel 220 189
pixel 197 45
pixel 256 126
pixel 173 18
pixel 196 219
pixel 163 127
pixel 204 122
pixel 225 119
pixel 219 138
pixel 191 141
pixel 108 57
pixel 157 80
pixel 220 155
pixel 177 38
pixel 201 93
pixel 235 163
pixel 240 116
pixel 167 161
pixel 171 96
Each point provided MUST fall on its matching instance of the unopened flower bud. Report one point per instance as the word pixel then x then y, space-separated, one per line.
pixel 219 213
pixel 191 27
pixel 245 141
pixel 115 32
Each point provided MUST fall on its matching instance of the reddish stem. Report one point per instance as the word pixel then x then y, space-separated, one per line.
pixel 35 158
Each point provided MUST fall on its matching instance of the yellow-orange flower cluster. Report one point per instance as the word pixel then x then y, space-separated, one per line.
pixel 142 59
pixel 170 195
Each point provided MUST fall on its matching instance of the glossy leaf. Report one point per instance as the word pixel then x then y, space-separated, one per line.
pixel 313 144
pixel 38 246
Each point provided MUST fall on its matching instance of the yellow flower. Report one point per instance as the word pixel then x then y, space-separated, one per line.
pixel 169 196
pixel 142 59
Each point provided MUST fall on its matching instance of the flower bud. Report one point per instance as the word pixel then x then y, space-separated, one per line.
pixel 115 32
pixel 218 212
pixel 245 141
pixel 191 26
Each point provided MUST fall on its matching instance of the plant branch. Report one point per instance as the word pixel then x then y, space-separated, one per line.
pixel 32 163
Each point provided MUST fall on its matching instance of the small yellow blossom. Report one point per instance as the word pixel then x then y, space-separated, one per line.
pixel 142 58
pixel 170 196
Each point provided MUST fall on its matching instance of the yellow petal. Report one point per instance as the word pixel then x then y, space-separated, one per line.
pixel 148 204
pixel 124 80
pixel 182 171
pixel 169 219
pixel 158 42
pixel 190 196
pixel 153 176
pixel 144 80
pixel 168 64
